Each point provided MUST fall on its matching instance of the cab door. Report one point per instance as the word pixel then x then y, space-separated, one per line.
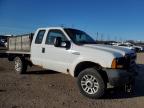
pixel 37 48
pixel 56 58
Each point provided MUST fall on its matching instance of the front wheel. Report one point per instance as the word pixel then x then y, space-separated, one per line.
pixel 91 84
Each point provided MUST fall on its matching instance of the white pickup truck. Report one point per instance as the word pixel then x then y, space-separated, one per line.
pixel 74 52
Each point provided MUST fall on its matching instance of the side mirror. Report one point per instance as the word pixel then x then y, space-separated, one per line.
pixel 68 44
pixel 57 41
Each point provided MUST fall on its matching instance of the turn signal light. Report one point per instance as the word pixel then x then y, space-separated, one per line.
pixel 114 64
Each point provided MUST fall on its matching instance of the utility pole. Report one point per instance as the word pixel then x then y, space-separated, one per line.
pixel 116 38
pixel 97 36
pixel 108 38
pixel 120 39
pixel 101 37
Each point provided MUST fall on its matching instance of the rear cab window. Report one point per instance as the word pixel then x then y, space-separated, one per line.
pixel 39 37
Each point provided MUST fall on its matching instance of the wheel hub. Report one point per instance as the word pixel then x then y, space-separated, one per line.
pixel 89 84
pixel 17 65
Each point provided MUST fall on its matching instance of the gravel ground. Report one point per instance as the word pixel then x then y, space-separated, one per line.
pixel 47 89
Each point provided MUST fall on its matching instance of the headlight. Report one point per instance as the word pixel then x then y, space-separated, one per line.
pixel 118 63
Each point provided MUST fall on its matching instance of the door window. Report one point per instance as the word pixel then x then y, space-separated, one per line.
pixel 53 34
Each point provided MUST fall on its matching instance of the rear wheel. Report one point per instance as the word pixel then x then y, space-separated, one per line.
pixel 91 84
pixel 20 65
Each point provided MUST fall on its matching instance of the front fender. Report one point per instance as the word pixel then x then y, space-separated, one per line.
pixel 73 65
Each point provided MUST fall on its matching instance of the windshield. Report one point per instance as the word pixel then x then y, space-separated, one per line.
pixel 79 37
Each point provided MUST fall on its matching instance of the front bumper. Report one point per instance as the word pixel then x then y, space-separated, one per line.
pixel 119 77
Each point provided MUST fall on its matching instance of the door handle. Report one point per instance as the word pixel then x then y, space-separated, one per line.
pixel 43 50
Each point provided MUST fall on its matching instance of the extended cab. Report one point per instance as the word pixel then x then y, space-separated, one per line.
pixel 74 52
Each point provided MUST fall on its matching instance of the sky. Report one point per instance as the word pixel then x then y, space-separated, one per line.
pixel 102 19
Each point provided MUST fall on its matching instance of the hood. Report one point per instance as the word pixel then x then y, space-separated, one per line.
pixel 109 48
pixel 101 54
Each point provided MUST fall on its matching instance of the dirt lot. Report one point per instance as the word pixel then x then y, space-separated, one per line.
pixel 46 89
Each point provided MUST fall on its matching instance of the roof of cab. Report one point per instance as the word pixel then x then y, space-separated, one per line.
pixel 52 28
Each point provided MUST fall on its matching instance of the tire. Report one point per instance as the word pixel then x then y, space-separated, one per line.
pixel 20 65
pixel 91 84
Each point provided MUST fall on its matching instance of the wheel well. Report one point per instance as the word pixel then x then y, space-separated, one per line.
pixel 83 65
pixel 11 57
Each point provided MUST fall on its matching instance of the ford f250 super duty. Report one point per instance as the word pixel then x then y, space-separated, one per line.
pixel 74 52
